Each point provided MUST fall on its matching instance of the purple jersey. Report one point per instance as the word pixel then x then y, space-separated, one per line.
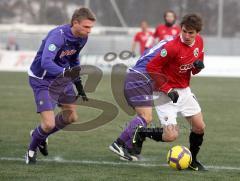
pixel 59 50
pixel 148 55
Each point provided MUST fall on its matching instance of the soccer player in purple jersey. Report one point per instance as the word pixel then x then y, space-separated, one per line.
pixel 138 91
pixel 57 59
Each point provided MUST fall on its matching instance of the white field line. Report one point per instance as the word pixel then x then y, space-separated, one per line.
pixel 60 160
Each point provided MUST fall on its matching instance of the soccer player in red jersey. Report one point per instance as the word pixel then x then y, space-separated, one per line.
pixel 169 29
pixel 142 37
pixel 177 60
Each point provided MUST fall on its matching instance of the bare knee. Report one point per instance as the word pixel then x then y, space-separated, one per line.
pixel 170 137
pixel 47 120
pixel 48 125
pixel 197 123
pixel 145 112
pixel 70 116
pixel 147 117
pixel 199 129
pixel 170 133
pixel 73 117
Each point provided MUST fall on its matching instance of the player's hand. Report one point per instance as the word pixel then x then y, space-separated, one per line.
pixel 72 73
pixel 83 96
pixel 198 64
pixel 173 95
pixel 80 90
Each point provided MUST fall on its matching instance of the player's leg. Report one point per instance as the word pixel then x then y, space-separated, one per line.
pixel 167 133
pixel 123 145
pixel 45 107
pixel 39 136
pixel 167 113
pixel 192 112
pixel 143 118
pixel 196 139
pixel 138 93
pixel 68 114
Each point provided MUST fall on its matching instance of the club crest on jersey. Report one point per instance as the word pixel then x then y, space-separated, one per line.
pixel 196 52
pixel 52 47
pixel 163 53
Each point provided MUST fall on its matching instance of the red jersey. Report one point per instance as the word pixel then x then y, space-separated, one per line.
pixel 175 63
pixel 142 38
pixel 163 32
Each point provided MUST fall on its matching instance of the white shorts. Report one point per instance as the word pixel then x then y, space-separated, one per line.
pixel 187 105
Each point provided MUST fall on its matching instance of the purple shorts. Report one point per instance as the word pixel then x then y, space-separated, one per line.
pixel 49 93
pixel 138 89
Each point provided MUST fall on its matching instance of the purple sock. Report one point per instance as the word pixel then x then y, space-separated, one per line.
pixel 127 134
pixel 38 136
pixel 128 143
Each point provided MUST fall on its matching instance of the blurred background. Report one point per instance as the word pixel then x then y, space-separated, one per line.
pixel 26 20
pixel 24 23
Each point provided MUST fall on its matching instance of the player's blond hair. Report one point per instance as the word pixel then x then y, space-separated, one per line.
pixel 83 13
pixel 192 21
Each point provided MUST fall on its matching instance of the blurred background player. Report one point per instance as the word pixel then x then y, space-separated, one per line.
pixel 142 38
pixel 12 44
pixel 177 60
pixel 167 30
pixel 58 57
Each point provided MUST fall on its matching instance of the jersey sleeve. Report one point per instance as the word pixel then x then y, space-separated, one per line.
pixel 201 58
pixel 156 65
pixel 53 44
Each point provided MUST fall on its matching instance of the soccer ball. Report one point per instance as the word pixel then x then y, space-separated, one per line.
pixel 179 157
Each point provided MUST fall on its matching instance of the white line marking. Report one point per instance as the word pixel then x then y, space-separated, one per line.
pixel 61 160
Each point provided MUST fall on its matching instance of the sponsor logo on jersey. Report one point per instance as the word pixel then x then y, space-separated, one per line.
pixel 185 67
pixel 163 53
pixel 196 52
pixel 52 47
pixel 67 53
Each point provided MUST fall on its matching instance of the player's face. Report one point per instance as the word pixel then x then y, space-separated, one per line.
pixel 144 26
pixel 82 28
pixel 170 18
pixel 188 35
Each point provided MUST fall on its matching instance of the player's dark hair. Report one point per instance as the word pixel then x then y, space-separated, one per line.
pixel 83 13
pixel 192 22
